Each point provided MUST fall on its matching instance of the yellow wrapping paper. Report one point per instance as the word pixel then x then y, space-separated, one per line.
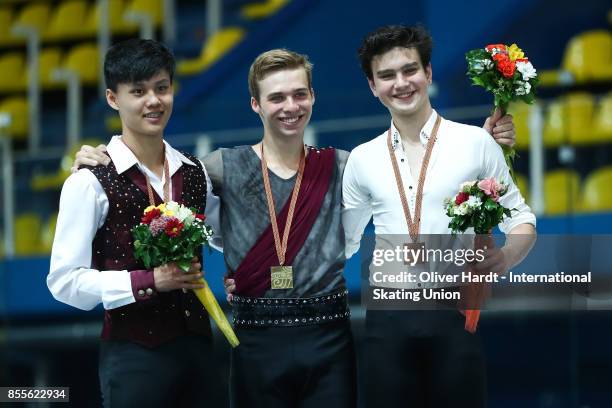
pixel 214 310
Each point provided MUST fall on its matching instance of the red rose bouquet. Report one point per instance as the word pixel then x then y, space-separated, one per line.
pixel 172 232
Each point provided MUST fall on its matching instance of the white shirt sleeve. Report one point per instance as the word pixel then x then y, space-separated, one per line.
pixel 356 206
pixel 71 280
pixel 213 213
pixel 495 166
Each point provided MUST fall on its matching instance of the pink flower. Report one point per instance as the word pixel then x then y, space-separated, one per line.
pixel 158 225
pixel 491 188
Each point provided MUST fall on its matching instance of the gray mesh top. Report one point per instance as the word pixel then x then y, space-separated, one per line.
pixel 236 178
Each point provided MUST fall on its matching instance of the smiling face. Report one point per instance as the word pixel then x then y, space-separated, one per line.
pixel 144 106
pixel 401 82
pixel 285 102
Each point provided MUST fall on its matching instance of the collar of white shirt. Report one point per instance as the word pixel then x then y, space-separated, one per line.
pixel 424 135
pixel 123 158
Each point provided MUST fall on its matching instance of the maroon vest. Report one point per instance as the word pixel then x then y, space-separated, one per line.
pixel 166 315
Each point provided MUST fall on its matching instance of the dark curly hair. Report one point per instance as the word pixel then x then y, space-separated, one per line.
pixel 388 37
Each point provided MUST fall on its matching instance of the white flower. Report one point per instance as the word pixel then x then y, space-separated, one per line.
pixel 182 213
pixel 473 202
pixel 527 70
pixel 523 88
pixel 464 187
pixel 461 209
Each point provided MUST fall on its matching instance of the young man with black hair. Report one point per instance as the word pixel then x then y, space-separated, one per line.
pixel 156 338
pixel 421 358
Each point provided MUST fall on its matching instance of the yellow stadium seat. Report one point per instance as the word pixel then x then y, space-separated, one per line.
pixel 602 125
pixel 6 21
pixel 27 234
pixel 115 18
pixel 47 233
pixel 54 181
pixel 554 130
pixel 49 60
pixel 17 108
pixel 84 59
pixel 12 69
pixel 67 21
pixel 216 47
pixel 578 118
pixel 262 10
pixel 588 56
pixel 561 191
pixel 36 15
pixel 523 185
pixel 520 114
pixel 597 194
pixel 152 8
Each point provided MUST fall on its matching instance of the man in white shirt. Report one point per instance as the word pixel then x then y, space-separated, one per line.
pixel 156 339
pixel 426 358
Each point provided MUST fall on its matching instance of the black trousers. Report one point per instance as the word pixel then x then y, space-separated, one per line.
pixel 422 358
pixel 304 366
pixel 175 374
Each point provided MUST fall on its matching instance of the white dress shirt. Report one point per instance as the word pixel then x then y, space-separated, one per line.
pixel 83 210
pixel 461 153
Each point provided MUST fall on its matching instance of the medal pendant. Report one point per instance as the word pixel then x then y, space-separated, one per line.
pixel 281 277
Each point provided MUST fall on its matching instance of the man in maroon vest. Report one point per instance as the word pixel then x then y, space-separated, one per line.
pixel 156 340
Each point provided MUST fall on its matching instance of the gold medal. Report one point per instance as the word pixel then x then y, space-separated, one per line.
pixel 281 277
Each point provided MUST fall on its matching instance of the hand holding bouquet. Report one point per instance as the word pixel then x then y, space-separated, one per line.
pixel 506 72
pixel 172 232
pixel 476 205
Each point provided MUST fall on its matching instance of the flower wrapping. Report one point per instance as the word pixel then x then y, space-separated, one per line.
pixel 506 72
pixel 171 232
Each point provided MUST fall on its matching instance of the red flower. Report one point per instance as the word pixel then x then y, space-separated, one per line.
pixel 500 57
pixel 461 197
pixel 150 216
pixel 506 67
pixel 200 217
pixel 173 227
pixel 521 60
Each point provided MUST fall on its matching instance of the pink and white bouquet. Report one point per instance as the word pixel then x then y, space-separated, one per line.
pixel 171 232
pixel 477 206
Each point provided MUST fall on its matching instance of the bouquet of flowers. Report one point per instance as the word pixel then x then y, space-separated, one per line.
pixel 172 232
pixel 477 205
pixel 508 74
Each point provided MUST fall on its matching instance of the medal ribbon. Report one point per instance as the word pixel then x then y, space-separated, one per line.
pixel 413 225
pixel 281 247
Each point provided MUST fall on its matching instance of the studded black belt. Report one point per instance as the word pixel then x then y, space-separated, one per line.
pixel 267 312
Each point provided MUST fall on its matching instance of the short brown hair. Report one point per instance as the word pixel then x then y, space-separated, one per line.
pixel 276 60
